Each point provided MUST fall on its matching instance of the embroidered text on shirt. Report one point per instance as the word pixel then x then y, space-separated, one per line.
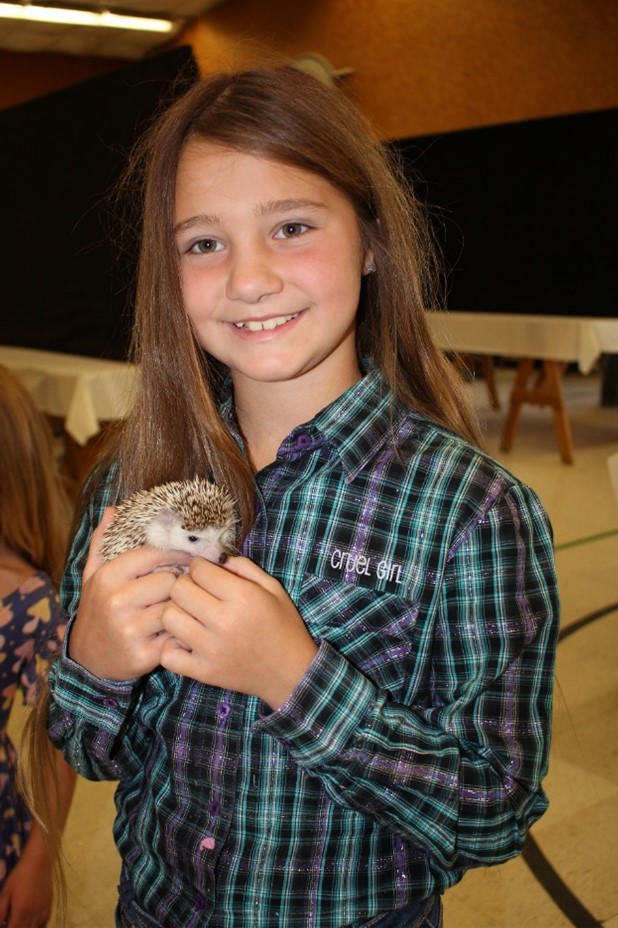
pixel 366 566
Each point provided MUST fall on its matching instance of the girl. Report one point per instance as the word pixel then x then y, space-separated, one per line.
pixel 33 526
pixel 330 729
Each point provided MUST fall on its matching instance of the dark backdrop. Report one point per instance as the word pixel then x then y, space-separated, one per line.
pixel 64 283
pixel 526 213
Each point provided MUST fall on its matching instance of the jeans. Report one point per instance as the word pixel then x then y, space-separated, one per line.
pixel 424 914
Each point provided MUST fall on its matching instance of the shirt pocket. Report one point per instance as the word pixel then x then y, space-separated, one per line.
pixel 377 632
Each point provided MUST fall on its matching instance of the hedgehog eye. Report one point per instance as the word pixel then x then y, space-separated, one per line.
pixel 192 538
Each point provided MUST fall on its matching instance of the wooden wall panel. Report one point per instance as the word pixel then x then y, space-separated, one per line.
pixel 419 67
pixel 424 67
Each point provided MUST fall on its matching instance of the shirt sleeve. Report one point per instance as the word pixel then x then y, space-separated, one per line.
pixel 87 717
pixel 459 774
pixel 86 714
pixel 71 587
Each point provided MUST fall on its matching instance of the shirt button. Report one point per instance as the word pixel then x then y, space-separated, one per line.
pixel 303 440
pixel 223 710
pixel 214 806
pixel 110 703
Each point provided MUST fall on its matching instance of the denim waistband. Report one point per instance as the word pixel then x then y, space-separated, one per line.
pixel 423 913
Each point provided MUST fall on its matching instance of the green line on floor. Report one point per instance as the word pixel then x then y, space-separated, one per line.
pixel 585 541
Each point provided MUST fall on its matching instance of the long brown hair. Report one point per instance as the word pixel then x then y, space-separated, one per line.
pixel 34 507
pixel 175 430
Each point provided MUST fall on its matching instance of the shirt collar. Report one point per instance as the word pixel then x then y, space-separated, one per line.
pixel 356 425
pixel 360 422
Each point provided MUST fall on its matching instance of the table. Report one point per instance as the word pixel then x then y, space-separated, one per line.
pixel 82 393
pixel 555 341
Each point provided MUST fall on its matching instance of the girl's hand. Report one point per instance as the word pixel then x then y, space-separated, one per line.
pixel 26 898
pixel 235 627
pixel 117 633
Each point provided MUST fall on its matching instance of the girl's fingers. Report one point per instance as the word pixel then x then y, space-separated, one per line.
pixel 206 587
pixel 177 623
pixel 222 580
pixel 94 559
pixel 131 564
pixel 249 570
pixel 137 562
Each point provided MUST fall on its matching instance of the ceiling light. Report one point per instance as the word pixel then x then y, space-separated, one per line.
pixel 73 17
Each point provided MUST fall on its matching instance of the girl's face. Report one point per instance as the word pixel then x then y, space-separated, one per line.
pixel 271 263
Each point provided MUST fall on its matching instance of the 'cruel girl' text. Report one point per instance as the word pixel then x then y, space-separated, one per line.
pixel 362 565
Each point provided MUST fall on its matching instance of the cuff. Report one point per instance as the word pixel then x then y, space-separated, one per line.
pixel 326 711
pixel 75 688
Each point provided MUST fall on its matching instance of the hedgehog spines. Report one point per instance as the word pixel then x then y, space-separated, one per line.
pixel 198 503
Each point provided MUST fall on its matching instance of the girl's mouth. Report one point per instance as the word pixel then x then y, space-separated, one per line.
pixel 265 325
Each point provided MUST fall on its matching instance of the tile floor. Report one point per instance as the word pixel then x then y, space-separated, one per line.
pixel 578 837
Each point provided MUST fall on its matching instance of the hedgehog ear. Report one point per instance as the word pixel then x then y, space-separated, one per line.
pixel 166 518
pixel 158 532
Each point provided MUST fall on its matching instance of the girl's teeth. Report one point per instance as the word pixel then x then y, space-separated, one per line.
pixel 266 324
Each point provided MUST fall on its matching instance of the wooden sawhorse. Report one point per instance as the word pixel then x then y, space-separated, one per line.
pixel 542 387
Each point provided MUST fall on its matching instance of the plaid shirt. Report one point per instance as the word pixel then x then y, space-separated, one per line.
pixel 413 748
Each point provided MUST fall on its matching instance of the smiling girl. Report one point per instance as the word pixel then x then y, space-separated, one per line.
pixel 331 728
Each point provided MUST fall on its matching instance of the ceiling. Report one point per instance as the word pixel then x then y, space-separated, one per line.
pixel 24 36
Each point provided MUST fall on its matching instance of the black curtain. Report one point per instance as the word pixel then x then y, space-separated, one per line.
pixel 525 212
pixel 65 283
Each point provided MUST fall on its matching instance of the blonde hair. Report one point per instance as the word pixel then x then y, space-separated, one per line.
pixel 34 507
pixel 35 513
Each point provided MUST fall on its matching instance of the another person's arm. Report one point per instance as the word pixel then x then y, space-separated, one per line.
pixel 27 895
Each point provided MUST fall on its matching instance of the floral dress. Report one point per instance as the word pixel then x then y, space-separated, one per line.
pixel 32 623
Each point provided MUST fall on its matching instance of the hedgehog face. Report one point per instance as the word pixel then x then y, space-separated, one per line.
pixel 193 516
pixel 168 532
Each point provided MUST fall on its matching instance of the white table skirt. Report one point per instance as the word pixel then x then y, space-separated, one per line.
pixel 83 391
pixel 550 338
pixel 86 391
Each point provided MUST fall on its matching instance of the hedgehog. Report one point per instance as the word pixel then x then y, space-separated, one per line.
pixel 195 516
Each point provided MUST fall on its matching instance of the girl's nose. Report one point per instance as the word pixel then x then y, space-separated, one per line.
pixel 252 276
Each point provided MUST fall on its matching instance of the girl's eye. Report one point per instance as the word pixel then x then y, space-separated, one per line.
pixel 291 230
pixel 205 246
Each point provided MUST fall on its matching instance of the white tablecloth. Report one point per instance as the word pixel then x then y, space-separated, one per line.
pixel 81 390
pixel 86 391
pixel 551 338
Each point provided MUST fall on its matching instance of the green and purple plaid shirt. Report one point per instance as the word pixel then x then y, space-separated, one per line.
pixel 414 747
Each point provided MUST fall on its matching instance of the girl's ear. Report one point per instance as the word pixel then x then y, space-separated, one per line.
pixel 368 263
